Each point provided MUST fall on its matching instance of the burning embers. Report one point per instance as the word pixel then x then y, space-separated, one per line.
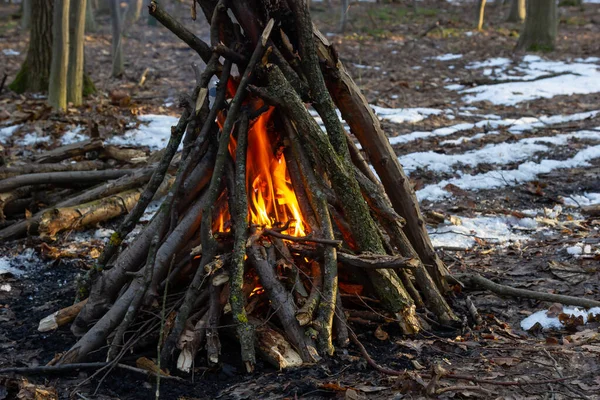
pixel 271 197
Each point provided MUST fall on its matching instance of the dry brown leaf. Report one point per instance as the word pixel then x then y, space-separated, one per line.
pixel 381 334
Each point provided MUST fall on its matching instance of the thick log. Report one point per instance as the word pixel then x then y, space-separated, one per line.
pixel 274 348
pixel 68 151
pixel 60 219
pixel 60 317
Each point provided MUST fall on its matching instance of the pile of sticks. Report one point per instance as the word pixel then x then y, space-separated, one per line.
pixel 181 285
pixel 71 187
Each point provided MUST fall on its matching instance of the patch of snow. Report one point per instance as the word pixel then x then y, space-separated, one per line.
pixel 10 52
pixel 575 78
pixel 361 66
pixel 499 154
pixel 19 264
pixel 496 229
pixel 492 62
pixel 526 172
pixel 400 115
pixel 575 250
pixel 31 139
pixel 7 132
pixel 103 233
pixel 154 132
pixel 73 136
pixel 547 322
pixel 454 86
pixel 447 57
pixel 585 199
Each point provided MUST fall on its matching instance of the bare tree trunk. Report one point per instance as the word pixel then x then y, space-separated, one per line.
pixel 541 23
pixel 344 15
pixel 517 11
pixel 57 87
pixel 76 52
pixel 135 11
pixel 33 75
pixel 117 38
pixel 26 17
pixel 90 20
pixel 481 14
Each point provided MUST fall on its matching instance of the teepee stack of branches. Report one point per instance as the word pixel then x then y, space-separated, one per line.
pixel 206 266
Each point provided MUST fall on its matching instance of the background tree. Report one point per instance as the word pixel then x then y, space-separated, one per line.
pixel 344 15
pixel 76 52
pixel 34 73
pixel 480 14
pixel 117 38
pixel 134 11
pixel 57 86
pixel 517 11
pixel 541 23
pixel 26 14
pixel 90 19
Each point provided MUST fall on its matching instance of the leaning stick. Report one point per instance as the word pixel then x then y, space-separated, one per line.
pixel 239 216
pixel 68 177
pixel 303 239
pixel 181 31
pixel 305 314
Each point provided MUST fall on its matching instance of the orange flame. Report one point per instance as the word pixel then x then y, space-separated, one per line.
pixel 271 197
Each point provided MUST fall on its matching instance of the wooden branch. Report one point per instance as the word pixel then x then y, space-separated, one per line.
pixel 60 317
pixel 303 239
pixel 68 151
pixel 340 323
pixel 273 347
pixel 231 55
pixel 239 216
pixel 503 290
pixel 68 177
pixel 180 31
pixel 14 170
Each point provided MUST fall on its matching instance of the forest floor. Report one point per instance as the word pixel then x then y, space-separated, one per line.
pixel 503 149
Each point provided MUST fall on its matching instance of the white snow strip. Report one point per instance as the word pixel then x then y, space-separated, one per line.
pixel 515 126
pixel 447 57
pixel 499 154
pixel 526 172
pixel 495 229
pixel 575 78
pixel 578 200
pixel 154 132
pixel 73 136
pixel 7 132
pixel 10 52
pixel 553 322
pixel 400 115
pixel 31 139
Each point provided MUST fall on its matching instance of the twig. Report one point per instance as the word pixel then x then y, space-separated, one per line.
pixel 303 239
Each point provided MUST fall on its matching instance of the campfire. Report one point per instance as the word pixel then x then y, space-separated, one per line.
pixel 274 232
